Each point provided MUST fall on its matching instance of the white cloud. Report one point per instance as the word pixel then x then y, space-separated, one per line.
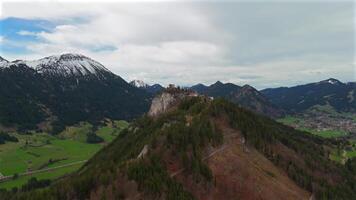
pixel 27 33
pixel 186 43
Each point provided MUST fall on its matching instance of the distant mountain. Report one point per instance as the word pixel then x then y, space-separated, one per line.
pixel 139 84
pixel 197 148
pixel 340 96
pixel 245 96
pixel 3 62
pixel 217 89
pixel 62 90
pixel 252 99
pixel 152 89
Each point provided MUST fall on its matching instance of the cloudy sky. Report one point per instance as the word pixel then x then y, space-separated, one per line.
pixel 261 43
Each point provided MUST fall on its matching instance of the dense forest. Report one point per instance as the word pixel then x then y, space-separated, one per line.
pixel 182 135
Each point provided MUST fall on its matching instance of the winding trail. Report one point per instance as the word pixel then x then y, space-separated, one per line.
pixel 222 148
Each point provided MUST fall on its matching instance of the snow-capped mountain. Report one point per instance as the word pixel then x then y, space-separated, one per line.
pixel 139 84
pixel 152 89
pixel 3 62
pixel 331 81
pixel 63 65
pixel 68 88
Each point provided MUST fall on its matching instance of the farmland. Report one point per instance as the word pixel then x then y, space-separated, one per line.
pixel 334 125
pixel 306 124
pixel 36 151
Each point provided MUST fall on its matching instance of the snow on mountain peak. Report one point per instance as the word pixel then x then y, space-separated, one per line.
pixel 64 64
pixel 3 62
pixel 2 59
pixel 331 81
pixel 139 84
pixel 67 64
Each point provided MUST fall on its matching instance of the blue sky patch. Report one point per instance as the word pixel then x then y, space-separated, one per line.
pixel 104 48
pixel 10 27
pixel 13 42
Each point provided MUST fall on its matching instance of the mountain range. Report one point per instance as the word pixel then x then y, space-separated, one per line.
pixel 61 90
pixel 152 89
pixel 340 96
pixel 246 96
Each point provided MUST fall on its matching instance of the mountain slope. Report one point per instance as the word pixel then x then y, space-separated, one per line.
pixel 340 96
pixel 245 96
pixel 65 89
pixel 201 149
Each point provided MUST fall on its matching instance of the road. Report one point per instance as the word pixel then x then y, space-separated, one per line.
pixel 6 178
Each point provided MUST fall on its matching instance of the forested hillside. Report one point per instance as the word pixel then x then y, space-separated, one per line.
pixel 171 156
pixel 340 96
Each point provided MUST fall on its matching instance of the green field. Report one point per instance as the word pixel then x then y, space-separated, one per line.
pixel 45 175
pixel 289 120
pixel 33 152
pixel 327 133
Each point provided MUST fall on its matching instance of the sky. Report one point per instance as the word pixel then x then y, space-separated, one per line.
pixel 261 43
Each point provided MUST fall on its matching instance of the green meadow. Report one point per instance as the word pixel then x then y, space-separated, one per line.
pixel 42 151
pixel 45 175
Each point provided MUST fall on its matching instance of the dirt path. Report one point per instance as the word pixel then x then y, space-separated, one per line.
pixel 222 148
pixel 7 178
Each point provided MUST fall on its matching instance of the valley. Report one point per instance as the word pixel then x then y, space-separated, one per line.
pixel 64 153
pixel 327 123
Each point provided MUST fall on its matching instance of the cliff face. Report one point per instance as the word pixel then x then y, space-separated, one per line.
pixel 167 100
pixel 162 103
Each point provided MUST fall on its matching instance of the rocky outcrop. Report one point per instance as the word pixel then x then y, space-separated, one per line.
pixel 161 103
pixel 143 152
pixel 168 99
